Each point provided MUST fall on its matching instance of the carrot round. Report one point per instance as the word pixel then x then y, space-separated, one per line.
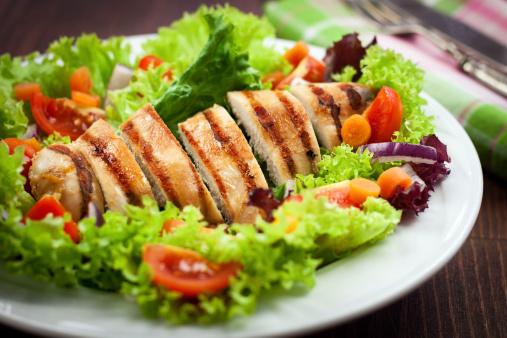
pixel 297 53
pixel 361 189
pixel 81 80
pixel 85 99
pixel 390 179
pixel 25 90
pixel 356 131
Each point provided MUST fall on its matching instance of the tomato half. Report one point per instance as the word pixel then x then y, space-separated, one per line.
pixel 63 116
pixel 385 115
pixel 186 271
pixel 29 153
pixel 146 61
pixel 50 205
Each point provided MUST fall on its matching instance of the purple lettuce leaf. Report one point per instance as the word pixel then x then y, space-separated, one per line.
pixel 264 200
pixel 346 52
pixel 414 198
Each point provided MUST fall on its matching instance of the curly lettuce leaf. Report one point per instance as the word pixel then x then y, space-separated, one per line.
pixel 55 138
pixel 13 121
pixel 383 67
pixel 218 69
pixel 181 43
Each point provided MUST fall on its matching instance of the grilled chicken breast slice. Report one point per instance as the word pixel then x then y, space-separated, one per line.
pixel 62 171
pixel 168 168
pixel 280 132
pixel 329 105
pixel 119 175
pixel 225 161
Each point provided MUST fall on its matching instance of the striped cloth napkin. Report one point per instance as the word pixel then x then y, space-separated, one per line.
pixel 482 112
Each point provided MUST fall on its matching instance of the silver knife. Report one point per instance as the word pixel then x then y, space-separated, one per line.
pixel 476 54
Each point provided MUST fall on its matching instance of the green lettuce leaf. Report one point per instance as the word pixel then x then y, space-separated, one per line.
pixel 55 138
pixel 384 67
pixel 218 69
pixel 181 43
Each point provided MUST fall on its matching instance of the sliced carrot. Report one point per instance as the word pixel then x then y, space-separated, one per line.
pixel 390 179
pixel 297 53
pixel 356 131
pixel 32 142
pixel 274 78
pixel 361 189
pixel 81 80
pixel 168 75
pixel 170 225
pixel 25 90
pixel 85 99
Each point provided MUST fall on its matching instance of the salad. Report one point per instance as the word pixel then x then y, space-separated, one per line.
pixel 170 259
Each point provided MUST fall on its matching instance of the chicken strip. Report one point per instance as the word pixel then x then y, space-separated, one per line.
pixel 119 175
pixel 329 105
pixel 225 161
pixel 280 132
pixel 62 171
pixel 166 165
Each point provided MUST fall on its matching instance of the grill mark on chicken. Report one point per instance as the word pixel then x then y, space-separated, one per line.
pixel 299 123
pixel 230 148
pixel 269 125
pixel 147 153
pixel 201 153
pixel 83 174
pixel 327 101
pixel 353 95
pixel 114 166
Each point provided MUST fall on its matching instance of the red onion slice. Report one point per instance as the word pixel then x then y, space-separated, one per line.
pixel 94 212
pixel 32 131
pixel 415 178
pixel 397 151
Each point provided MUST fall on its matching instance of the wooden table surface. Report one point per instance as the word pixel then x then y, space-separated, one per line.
pixel 467 298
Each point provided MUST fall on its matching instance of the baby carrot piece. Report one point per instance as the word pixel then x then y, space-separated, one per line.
pixel 361 188
pixel 25 90
pixel 297 53
pixel 85 99
pixel 390 179
pixel 356 131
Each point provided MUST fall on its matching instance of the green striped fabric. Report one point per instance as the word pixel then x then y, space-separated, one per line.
pixel 321 22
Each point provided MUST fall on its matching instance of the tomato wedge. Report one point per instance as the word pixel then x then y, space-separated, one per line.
pixel 25 90
pixel 385 115
pixel 309 69
pixel 63 116
pixel 50 205
pixel 186 271
pixel 13 143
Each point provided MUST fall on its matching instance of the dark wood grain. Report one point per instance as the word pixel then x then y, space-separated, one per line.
pixel 467 298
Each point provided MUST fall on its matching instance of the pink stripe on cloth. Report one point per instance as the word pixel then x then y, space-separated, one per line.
pixel 486 10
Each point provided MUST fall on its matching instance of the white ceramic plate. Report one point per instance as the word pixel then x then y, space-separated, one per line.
pixel 369 278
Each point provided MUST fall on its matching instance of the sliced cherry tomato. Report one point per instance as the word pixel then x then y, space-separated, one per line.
pixel 297 53
pixel 337 193
pixel 168 75
pixel 85 99
pixel 385 115
pixel 274 78
pixel 25 90
pixel 81 80
pixel 186 271
pixel 148 60
pixel 50 205
pixel 29 153
pixel 309 69
pixel 63 116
